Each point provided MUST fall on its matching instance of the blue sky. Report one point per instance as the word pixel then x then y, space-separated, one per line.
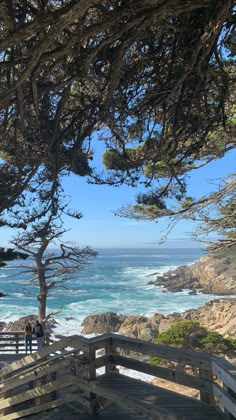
pixel 100 228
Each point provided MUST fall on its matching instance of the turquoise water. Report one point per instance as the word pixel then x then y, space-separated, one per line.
pixel 115 281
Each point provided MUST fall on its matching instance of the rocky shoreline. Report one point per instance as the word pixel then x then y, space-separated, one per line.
pixel 208 275
pixel 217 315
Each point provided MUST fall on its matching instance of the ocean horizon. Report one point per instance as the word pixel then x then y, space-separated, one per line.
pixel 116 280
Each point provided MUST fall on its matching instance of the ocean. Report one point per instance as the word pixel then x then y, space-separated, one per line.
pixel 116 280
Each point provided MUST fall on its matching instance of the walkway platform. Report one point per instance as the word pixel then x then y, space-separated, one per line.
pixel 78 378
pixel 132 394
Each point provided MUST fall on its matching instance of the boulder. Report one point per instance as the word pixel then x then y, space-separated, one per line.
pixel 102 323
pixel 141 327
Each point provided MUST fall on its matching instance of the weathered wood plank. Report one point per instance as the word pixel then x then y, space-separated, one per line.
pixel 121 398
pixel 207 395
pixel 225 399
pixel 32 358
pixel 224 371
pixel 122 389
pixel 161 372
pixel 38 372
pixel 39 391
pixel 46 406
pixel 39 364
pixel 188 357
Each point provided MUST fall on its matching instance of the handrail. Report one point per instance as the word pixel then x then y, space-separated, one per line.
pixel 80 354
pixel 13 342
pixel 210 368
pixel 187 357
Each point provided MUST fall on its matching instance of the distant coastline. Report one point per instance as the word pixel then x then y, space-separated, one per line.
pixel 115 281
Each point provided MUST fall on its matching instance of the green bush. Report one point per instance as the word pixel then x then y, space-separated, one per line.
pixel 179 334
pixel 212 342
pixel 190 334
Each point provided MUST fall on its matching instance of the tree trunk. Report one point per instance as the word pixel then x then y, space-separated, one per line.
pixel 42 298
pixel 43 291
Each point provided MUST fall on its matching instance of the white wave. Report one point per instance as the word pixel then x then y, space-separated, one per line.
pixel 136 375
pixel 9 313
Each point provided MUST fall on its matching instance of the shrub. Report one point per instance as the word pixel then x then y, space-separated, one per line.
pixel 190 334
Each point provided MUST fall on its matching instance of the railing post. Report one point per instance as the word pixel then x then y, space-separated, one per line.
pixel 228 415
pixel 207 397
pixel 17 342
pixel 109 349
pixel 47 338
pixel 89 373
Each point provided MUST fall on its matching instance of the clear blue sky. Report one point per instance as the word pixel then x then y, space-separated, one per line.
pixel 99 228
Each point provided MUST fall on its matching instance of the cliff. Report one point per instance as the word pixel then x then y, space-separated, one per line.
pixel 210 274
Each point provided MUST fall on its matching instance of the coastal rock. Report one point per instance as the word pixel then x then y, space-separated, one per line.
pixel 102 323
pixel 2 294
pixel 19 325
pixel 2 325
pixel 135 326
pixel 141 327
pixel 208 274
pixel 218 315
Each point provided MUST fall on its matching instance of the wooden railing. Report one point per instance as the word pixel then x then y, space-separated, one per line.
pixel 66 371
pixel 13 342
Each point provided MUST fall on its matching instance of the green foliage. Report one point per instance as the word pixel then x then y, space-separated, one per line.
pixel 178 334
pixel 157 361
pixel 190 334
pixel 230 342
pixel 212 342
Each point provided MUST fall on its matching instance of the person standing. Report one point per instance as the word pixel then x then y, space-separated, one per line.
pixel 28 337
pixel 38 331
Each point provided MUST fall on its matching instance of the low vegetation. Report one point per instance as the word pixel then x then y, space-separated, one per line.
pixel 191 335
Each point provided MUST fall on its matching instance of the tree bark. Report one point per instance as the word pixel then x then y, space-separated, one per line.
pixel 42 299
pixel 43 289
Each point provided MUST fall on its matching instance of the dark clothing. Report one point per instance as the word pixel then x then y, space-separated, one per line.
pixel 28 343
pixel 38 331
pixel 28 338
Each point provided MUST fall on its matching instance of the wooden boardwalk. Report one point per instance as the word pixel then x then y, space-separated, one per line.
pixel 64 382
pixel 75 412
pixel 135 393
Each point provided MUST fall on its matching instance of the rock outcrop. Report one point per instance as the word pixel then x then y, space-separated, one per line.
pixel 2 325
pixel 102 323
pixel 218 315
pixel 208 274
pixel 141 327
pixel 19 325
